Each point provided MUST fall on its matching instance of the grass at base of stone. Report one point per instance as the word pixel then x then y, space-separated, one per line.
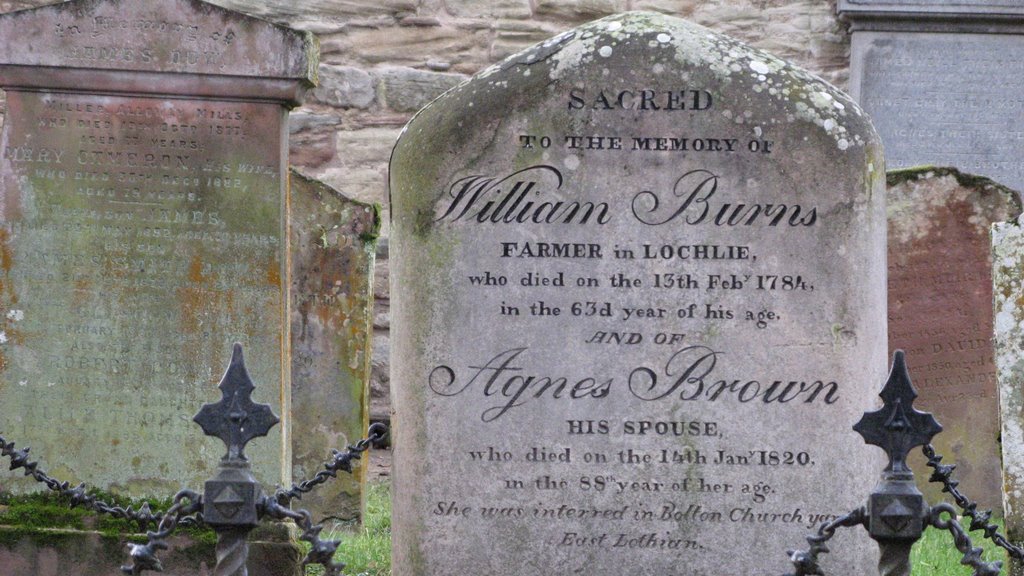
pixel 935 554
pixel 367 551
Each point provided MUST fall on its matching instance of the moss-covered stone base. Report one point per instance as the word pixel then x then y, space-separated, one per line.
pixel 59 552
pixel 28 549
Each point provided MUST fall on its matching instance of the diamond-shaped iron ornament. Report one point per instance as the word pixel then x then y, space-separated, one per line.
pixel 236 419
pixel 897 428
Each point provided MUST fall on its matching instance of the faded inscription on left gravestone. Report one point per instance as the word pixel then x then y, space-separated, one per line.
pixel 143 231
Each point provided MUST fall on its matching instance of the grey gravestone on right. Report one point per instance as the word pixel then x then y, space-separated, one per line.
pixel 638 301
pixel 942 82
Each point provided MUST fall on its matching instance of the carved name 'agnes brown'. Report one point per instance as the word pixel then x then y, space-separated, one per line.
pixel 514 199
pixel 686 375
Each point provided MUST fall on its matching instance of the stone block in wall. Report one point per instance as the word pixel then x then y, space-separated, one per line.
pixel 302 120
pixel 674 7
pixel 291 10
pixel 311 138
pixel 579 10
pixel 806 32
pixel 360 170
pixel 408 90
pixel 514 36
pixel 344 87
pixel 489 8
pixel 409 46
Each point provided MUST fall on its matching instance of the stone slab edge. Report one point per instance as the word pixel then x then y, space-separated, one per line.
pixel 895 177
pixel 31 66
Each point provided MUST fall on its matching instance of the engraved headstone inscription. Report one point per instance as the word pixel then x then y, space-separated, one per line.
pixel 942 82
pixel 142 231
pixel 637 279
pixel 940 313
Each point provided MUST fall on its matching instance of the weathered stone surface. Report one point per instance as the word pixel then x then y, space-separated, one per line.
pixel 361 173
pixel 408 46
pixel 370 33
pixel 489 8
pixel 380 382
pixel 178 36
pixel 579 9
pixel 345 87
pixel 141 237
pixel 672 7
pixel 60 550
pixel 1007 287
pixel 513 36
pixel 408 90
pixel 289 10
pixel 951 8
pixel 302 120
pixel 637 225
pixel 940 313
pixel 930 110
pixel 332 305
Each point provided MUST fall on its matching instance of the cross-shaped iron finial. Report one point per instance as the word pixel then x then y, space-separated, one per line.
pixel 236 419
pixel 897 428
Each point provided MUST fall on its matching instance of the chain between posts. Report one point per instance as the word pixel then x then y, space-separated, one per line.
pixel 972 555
pixel 805 563
pixel 943 474
pixel 232 502
pixel 339 461
pixel 143 556
pixel 144 517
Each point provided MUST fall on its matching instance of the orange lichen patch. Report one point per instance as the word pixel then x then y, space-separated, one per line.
pixel 274 273
pixel 195 269
pixel 6 256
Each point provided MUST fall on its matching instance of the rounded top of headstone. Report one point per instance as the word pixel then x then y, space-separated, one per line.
pixel 625 47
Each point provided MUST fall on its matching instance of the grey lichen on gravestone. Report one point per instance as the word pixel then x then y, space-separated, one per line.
pixel 638 295
pixel 143 231
pixel 1007 288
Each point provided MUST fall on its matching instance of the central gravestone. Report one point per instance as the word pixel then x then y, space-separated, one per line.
pixel 639 300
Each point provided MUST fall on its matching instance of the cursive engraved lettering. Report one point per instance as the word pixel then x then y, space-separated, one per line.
pixel 688 372
pixel 506 200
pixel 500 378
pixel 691 202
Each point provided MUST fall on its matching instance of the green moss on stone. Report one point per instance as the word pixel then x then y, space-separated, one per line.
pixel 373 233
pixel 896 177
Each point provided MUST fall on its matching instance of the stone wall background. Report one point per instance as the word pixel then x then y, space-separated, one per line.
pixel 381 60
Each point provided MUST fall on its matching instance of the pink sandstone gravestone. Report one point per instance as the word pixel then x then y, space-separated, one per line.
pixel 940 313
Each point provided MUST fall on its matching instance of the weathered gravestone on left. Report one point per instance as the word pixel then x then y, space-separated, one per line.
pixel 638 300
pixel 143 231
pixel 332 253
